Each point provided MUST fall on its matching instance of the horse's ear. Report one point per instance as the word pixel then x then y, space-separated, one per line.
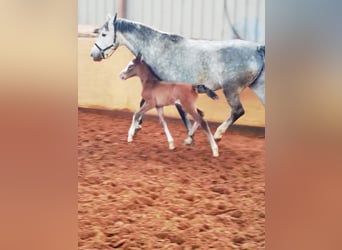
pixel 116 14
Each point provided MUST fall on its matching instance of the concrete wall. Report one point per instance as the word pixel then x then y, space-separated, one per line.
pixel 200 19
pixel 100 87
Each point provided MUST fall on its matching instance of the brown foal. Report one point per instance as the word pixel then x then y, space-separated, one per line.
pixel 158 94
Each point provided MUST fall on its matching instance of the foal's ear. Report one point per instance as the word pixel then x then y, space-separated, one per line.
pixel 139 57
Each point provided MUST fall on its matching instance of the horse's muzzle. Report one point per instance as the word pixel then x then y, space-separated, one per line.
pixel 96 55
pixel 97 59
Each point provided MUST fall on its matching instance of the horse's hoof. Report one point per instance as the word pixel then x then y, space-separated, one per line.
pixel 171 146
pixel 138 127
pixel 129 139
pixel 188 141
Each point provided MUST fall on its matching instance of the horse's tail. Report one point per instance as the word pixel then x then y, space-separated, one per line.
pixel 204 89
pixel 258 86
pixel 201 113
pixel 261 50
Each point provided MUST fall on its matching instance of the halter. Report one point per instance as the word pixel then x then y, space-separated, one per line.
pixel 102 51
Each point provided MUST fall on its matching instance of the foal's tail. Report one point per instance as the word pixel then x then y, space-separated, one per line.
pixel 204 89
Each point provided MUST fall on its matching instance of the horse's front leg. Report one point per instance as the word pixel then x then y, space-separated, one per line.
pixel 135 120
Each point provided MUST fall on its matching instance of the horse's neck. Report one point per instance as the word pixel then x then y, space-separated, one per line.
pixel 135 36
pixel 156 47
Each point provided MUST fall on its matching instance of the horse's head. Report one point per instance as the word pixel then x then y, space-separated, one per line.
pixel 132 69
pixel 106 42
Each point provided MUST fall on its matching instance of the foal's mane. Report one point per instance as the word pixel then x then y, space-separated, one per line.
pixel 151 71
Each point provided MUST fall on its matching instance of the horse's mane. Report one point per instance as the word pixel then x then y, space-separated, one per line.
pixel 173 37
pixel 128 26
pixel 106 26
pixel 125 26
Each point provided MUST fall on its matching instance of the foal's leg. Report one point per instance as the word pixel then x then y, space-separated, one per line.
pixel 135 120
pixel 233 99
pixel 166 129
pixel 191 132
pixel 138 127
pixel 180 110
pixel 204 125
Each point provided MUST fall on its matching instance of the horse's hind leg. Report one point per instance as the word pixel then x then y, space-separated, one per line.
pixel 233 99
pixel 204 125
pixel 166 129
pixel 184 117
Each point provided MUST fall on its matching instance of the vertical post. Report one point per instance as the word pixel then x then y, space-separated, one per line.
pixel 181 30
pixel 246 19
pixel 201 19
pixel 256 34
pixel 122 8
pixel 153 13
pixel 192 19
pixel 235 13
pixel 171 17
pixel 161 15
pixel 212 22
pixel 223 21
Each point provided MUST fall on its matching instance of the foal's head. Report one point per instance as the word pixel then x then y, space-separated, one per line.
pixel 135 68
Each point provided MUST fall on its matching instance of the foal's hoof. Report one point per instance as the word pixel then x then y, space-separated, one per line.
pixel 171 146
pixel 188 141
pixel 216 154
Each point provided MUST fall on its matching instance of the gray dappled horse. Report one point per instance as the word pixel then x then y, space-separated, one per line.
pixel 229 65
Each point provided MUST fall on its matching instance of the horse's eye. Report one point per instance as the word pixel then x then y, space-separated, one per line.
pixel 104 34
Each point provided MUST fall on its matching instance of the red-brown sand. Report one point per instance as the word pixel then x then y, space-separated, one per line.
pixel 141 195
